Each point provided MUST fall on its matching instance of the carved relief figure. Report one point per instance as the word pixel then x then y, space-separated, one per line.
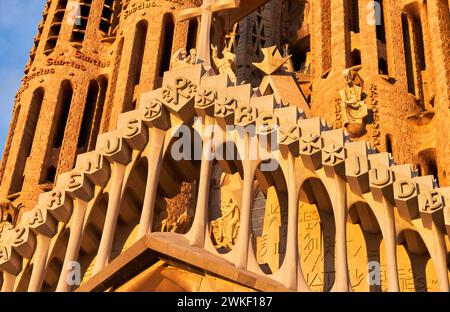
pixel 177 213
pixel 192 58
pixel 225 228
pixel 9 212
pixel 226 64
pixel 354 108
pixel 180 59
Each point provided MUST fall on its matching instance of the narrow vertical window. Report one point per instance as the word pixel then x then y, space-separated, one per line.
pixel 420 45
pixel 64 101
pixel 80 23
pixel 326 36
pixel 110 17
pixel 383 67
pixel 192 34
pixel 353 16
pixel 27 140
pixel 166 44
pixel 408 55
pixel 432 169
pixel 88 115
pixel 355 57
pixel 138 50
pixel 92 115
pixel 136 64
pixel 55 27
pixel 389 143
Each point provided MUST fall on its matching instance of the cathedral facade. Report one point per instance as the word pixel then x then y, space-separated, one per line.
pixel 356 94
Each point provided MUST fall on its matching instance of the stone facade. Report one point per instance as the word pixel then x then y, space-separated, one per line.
pixel 97 74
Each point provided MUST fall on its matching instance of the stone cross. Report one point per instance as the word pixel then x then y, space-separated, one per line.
pixel 205 11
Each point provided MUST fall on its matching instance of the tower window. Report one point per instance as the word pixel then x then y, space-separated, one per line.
pixel 55 27
pixel 408 55
pixel 110 17
pixel 136 63
pixel 383 67
pixel 65 99
pixel 353 16
pixel 389 144
pixel 27 140
pixel 192 34
pixel 139 49
pixel 88 115
pixel 92 115
pixel 356 57
pixel 166 44
pixel 81 21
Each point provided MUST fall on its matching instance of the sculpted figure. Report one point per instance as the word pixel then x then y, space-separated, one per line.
pixel 192 58
pixel 227 63
pixel 180 59
pixel 354 108
pixel 225 228
pixel 8 211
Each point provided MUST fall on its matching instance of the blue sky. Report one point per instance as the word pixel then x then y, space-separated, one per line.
pixel 18 26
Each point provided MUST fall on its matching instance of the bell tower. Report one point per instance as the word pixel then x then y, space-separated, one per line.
pixel 89 62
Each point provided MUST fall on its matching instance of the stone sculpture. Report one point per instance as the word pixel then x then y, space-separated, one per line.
pixel 180 59
pixel 225 228
pixel 226 64
pixel 354 108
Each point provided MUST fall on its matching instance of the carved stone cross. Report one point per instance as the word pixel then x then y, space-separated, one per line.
pixel 205 11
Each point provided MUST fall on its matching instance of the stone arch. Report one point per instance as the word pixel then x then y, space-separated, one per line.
pixel 269 242
pixel 130 207
pixel 92 233
pixel 364 246
pixel 225 199
pixel 316 232
pixel 416 269
pixel 55 262
pixel 177 182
